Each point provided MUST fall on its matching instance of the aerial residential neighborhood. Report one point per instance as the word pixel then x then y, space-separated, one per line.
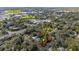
pixel 39 29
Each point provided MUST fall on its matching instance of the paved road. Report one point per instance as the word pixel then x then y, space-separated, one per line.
pixel 11 33
pixel 17 32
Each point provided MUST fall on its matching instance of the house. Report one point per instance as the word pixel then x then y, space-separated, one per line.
pixel 36 38
pixel 8 24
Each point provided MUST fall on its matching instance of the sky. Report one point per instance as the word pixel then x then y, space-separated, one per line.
pixel 39 3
